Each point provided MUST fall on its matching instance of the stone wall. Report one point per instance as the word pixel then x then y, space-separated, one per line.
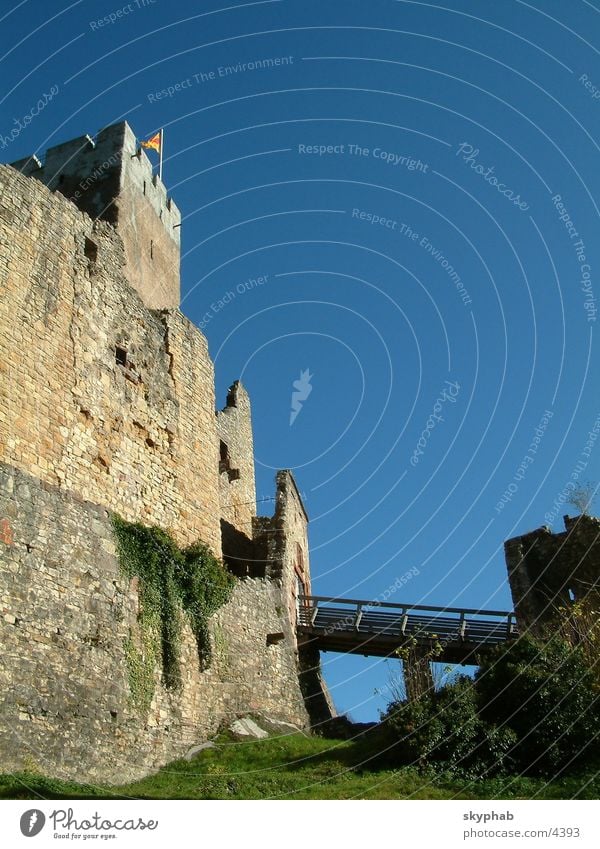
pixel 291 523
pixel 237 487
pixel 548 571
pixel 107 405
pixel 281 544
pixel 111 178
pixel 66 614
pixel 100 395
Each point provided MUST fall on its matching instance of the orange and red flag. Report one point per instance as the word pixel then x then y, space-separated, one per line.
pixel 154 142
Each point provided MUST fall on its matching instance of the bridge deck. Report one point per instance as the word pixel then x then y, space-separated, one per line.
pixel 379 628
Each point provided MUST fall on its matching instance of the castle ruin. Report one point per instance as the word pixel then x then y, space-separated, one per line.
pixel 550 572
pixel 107 406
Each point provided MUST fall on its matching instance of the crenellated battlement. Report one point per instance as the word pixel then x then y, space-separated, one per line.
pixel 111 178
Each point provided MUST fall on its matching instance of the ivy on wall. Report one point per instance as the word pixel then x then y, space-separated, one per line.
pixel 172 582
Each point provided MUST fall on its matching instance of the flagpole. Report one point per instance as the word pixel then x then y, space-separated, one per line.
pixel 161 154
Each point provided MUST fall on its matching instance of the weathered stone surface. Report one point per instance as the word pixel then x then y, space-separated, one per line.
pixel 195 750
pixel 278 726
pixel 107 406
pixel 139 439
pixel 246 727
pixel 236 469
pixel 112 178
pixel 67 613
pixel 548 571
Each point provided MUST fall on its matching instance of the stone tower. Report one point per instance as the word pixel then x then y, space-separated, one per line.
pixel 110 177
pixel 549 572
pixel 107 406
pixel 236 460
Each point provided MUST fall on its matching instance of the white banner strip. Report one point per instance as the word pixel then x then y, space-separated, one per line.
pixel 301 824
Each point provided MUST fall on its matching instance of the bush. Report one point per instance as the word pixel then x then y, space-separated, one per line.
pixel 546 693
pixel 534 707
pixel 444 729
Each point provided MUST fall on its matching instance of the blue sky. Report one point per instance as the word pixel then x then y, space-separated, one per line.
pixel 461 122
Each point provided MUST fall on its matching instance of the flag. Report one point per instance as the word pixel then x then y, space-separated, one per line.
pixel 155 142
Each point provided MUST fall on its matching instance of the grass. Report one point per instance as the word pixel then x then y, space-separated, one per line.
pixel 296 766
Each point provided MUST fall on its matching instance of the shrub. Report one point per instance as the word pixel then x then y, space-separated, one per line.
pixel 579 625
pixel 444 729
pixel 546 693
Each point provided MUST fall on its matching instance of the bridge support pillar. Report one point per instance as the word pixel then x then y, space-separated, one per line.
pixel 319 704
pixel 418 678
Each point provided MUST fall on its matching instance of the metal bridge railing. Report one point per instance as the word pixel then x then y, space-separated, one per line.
pixel 328 615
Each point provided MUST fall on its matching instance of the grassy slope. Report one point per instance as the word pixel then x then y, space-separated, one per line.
pixel 299 767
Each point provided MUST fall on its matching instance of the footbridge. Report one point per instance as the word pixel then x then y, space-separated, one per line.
pixel 373 628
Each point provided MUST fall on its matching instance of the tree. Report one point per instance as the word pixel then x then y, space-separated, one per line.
pixel 582 497
pixel 546 693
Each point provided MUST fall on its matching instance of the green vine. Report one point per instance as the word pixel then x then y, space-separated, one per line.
pixel 172 580
pixel 140 667
pixel 412 646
